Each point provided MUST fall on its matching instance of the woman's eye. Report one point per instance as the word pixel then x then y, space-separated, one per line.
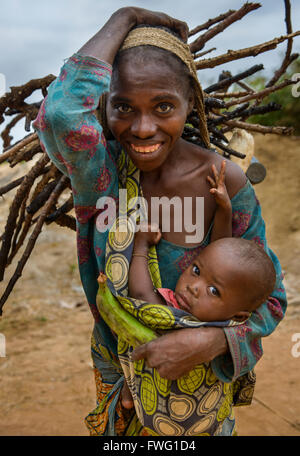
pixel 214 291
pixel 123 108
pixel 164 108
pixel 196 270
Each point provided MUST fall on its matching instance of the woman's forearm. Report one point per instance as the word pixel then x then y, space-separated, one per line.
pixel 105 44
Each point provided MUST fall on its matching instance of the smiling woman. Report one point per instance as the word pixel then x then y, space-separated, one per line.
pixel 147 111
pixel 141 150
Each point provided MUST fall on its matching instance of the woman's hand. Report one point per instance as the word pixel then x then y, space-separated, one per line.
pixel 106 43
pixel 156 18
pixel 176 353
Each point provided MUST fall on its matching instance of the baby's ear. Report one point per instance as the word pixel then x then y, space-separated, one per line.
pixel 241 316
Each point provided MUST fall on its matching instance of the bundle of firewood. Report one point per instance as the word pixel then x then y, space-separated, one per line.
pixel 38 194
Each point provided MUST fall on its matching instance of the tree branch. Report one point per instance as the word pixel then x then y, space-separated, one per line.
pixel 200 42
pixel 242 53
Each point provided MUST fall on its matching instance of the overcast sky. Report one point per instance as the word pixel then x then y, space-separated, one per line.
pixel 36 35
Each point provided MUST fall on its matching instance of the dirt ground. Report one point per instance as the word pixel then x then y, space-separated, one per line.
pixel 46 378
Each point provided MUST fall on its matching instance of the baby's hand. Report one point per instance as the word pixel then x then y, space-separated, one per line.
pixel 218 187
pixel 148 234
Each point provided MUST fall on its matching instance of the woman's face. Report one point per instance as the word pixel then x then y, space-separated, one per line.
pixel 146 111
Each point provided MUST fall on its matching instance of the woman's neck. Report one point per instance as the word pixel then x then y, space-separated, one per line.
pixel 179 157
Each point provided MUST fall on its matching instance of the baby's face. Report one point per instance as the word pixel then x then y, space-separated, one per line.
pixel 214 287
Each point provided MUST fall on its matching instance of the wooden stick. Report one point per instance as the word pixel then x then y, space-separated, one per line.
pixel 227 149
pixel 245 86
pixel 230 94
pixel 199 43
pixel 32 240
pixel 18 146
pixel 258 128
pixel 245 52
pixel 66 220
pixel 287 58
pixel 17 94
pixel 5 133
pixel 25 154
pixel 19 242
pixel 259 95
pixel 14 210
pixel 42 197
pixel 19 226
pixel 66 207
pixel 11 185
pixel 201 54
pixel 210 22
pixel 51 172
pixel 227 82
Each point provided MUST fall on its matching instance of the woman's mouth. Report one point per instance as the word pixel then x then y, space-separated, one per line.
pixel 145 149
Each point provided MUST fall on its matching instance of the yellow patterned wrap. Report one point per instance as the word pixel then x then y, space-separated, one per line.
pixel 195 404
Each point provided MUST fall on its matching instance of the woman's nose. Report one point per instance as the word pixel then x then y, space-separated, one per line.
pixel 143 127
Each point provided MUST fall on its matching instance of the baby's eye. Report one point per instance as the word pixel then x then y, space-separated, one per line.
pixel 195 269
pixel 123 108
pixel 164 108
pixel 214 291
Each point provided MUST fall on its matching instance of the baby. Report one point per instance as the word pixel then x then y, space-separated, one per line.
pixel 228 280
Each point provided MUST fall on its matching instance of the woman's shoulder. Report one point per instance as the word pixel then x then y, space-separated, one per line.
pixel 202 159
pixel 235 178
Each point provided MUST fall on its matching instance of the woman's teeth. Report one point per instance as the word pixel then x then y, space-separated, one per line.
pixel 145 149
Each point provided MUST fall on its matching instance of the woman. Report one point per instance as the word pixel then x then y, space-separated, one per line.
pixel 150 95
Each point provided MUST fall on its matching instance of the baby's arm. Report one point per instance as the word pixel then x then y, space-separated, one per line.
pixel 223 216
pixel 139 281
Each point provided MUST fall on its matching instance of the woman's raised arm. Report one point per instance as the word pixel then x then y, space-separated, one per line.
pixel 105 44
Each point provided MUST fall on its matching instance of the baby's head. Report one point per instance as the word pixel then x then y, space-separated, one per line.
pixel 228 280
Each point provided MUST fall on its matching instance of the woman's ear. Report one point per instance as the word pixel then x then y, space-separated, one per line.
pixel 241 316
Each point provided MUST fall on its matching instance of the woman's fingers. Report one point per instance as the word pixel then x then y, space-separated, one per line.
pixel 157 18
pixel 139 353
pixel 181 28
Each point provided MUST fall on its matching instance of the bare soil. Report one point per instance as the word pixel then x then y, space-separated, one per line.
pixel 47 385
